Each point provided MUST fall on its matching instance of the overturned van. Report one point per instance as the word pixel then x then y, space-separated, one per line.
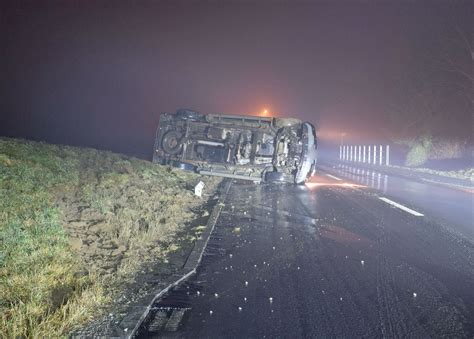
pixel 237 146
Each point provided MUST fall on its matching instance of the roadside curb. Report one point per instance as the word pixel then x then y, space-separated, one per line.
pixel 133 320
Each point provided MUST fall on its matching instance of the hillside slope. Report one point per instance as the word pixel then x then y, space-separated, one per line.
pixel 76 224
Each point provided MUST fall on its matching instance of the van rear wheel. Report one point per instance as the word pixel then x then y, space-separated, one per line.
pixel 171 142
pixel 275 177
pixel 182 165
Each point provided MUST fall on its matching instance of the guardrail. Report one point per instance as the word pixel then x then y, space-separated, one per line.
pixel 367 154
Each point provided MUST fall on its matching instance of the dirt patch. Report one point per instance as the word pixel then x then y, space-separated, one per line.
pixel 127 226
pixel 119 221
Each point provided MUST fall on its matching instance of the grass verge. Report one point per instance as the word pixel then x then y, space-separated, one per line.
pixel 72 219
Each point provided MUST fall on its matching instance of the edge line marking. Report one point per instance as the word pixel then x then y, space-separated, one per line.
pixel 333 177
pixel 404 208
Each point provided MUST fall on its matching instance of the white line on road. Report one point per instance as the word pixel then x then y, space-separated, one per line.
pixel 406 209
pixel 332 176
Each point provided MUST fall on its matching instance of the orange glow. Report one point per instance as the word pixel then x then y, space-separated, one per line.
pixel 320 180
pixel 342 235
pixel 264 112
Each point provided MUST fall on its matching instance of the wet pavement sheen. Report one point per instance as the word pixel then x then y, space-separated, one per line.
pixel 325 261
pixel 452 207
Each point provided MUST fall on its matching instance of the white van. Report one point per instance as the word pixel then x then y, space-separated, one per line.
pixel 261 149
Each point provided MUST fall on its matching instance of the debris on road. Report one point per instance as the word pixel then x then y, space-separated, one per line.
pixel 198 189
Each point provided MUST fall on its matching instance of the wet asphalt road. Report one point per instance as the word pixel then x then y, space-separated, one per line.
pixel 454 208
pixel 327 260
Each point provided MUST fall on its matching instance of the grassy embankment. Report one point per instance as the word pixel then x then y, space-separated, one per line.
pixel 73 224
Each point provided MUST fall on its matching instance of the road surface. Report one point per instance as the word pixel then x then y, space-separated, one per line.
pixel 330 259
pixel 451 206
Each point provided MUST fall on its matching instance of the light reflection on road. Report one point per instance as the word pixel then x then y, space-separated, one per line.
pixel 319 180
pixel 368 178
pixel 454 207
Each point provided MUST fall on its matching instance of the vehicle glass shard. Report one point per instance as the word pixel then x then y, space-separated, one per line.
pixel 198 189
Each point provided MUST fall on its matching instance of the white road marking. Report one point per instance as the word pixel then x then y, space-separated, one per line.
pixel 333 177
pixel 404 208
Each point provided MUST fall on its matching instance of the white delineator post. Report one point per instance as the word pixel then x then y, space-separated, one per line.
pixel 363 153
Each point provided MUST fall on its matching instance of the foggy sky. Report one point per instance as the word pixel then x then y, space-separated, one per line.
pixel 99 73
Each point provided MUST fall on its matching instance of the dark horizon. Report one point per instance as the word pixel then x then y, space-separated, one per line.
pixel 98 74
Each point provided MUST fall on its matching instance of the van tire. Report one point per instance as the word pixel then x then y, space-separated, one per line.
pixel 182 165
pixel 275 177
pixel 171 142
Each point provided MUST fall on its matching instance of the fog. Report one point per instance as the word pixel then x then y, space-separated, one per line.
pixel 99 73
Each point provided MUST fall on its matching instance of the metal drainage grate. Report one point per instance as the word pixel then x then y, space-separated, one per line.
pixel 166 319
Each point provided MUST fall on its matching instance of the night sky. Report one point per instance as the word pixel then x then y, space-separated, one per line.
pixel 98 73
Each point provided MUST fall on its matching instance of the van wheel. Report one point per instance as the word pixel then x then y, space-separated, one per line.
pixel 182 165
pixel 286 122
pixel 275 177
pixel 187 114
pixel 171 142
